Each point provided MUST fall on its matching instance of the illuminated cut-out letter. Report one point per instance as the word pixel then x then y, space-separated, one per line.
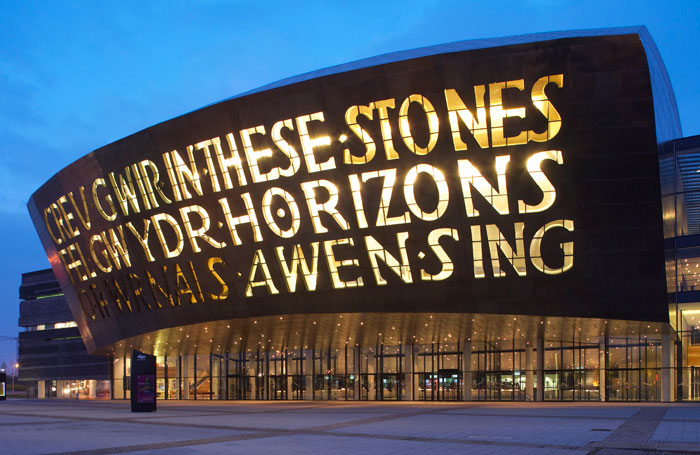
pixel 124 190
pixel 112 297
pixel 410 192
pixel 94 253
pixel 226 163
pixel 118 295
pixel 83 216
pixel 58 219
pixel 142 239
pixel 567 248
pixel 204 147
pixel 334 265
pixel 194 234
pixel 171 176
pixel 405 127
pixel 285 147
pixel 116 247
pixel 90 272
pixel 356 192
pixel 249 218
pixel 470 177
pixel 308 145
pixel 87 304
pixel 329 206
pixel 259 262
pixel 389 179
pixel 549 193
pixel 457 111
pixel 477 252
pixel 370 147
pixel 80 262
pixel 253 156
pixel 223 294
pixel 184 174
pixel 75 263
pixel 298 261
pixel 152 186
pixel 447 266
pixel 67 217
pixel 158 291
pixel 57 240
pixel 98 182
pixel 64 218
pixel 100 301
pixel 542 103
pixel 195 280
pixel 498 242
pixel 383 107
pixel 291 206
pixel 62 256
pixel 172 222
pixel 498 113
pixel 134 282
pixel 376 252
pixel 141 183
pixel 182 286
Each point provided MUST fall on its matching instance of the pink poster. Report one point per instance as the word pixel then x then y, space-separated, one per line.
pixel 145 388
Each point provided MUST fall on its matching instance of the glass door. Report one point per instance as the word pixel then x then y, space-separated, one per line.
pixel 441 379
pixel 238 382
pixel 390 371
pixel 260 377
pixel 298 377
pixel 278 377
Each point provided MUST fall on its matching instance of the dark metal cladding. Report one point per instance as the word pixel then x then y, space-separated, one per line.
pixel 607 186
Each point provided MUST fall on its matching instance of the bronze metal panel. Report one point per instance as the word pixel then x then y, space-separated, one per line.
pixel 606 180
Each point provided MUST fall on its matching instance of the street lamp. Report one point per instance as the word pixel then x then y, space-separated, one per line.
pixel 16 365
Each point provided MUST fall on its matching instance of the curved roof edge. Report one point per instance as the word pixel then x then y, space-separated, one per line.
pixel 665 109
pixel 668 125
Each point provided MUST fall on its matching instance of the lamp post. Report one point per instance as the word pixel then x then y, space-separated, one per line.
pixel 16 365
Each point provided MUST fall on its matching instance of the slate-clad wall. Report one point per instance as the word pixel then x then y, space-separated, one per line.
pixel 52 354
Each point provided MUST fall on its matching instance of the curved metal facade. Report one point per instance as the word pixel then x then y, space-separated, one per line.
pixel 520 179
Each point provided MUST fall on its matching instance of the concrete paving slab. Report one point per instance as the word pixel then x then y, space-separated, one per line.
pixel 69 436
pixel 683 413
pixel 611 412
pixel 35 427
pixel 565 432
pixel 20 420
pixel 286 421
pixel 337 445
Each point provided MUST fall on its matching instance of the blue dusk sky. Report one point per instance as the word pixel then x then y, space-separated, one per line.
pixel 75 76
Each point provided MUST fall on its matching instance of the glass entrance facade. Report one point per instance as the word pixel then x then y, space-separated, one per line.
pixel 601 369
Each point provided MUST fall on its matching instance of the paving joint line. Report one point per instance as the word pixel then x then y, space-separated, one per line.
pixel 475 414
pixel 160 445
pixel 665 447
pixel 258 433
pixel 276 433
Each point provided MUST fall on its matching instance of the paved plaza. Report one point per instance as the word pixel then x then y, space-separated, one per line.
pixel 29 427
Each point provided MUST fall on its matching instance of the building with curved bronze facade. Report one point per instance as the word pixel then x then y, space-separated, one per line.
pixel 477 220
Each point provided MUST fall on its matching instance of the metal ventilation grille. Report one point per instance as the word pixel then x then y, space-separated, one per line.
pixel 689 200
